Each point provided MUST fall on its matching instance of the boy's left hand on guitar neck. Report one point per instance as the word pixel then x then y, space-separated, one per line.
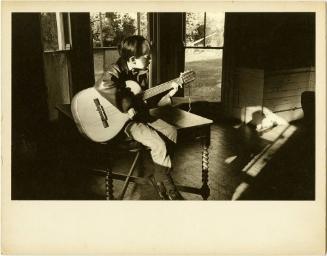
pixel 175 86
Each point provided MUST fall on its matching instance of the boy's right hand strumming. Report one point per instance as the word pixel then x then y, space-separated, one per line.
pixel 131 113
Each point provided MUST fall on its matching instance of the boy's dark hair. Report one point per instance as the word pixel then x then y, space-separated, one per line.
pixel 132 46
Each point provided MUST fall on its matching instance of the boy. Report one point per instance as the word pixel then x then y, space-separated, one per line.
pixel 158 135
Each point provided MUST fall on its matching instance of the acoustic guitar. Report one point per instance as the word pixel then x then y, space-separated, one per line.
pixel 100 120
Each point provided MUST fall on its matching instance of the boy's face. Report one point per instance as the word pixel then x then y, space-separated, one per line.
pixel 142 62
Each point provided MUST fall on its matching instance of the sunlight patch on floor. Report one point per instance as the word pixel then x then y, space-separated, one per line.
pixel 230 159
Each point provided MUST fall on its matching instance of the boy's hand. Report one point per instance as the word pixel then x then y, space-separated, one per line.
pixel 175 86
pixel 131 113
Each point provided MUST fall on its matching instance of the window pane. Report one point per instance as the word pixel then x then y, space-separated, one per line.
pixel 95 26
pixel 49 31
pixel 112 27
pixel 207 63
pixel 103 59
pixel 194 29
pixel 144 24
pixel 115 26
pixel 98 58
pixel 111 56
pixel 215 29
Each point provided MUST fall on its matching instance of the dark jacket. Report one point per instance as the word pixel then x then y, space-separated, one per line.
pixel 112 86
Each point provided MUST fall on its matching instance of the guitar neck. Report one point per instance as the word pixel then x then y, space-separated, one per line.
pixel 149 93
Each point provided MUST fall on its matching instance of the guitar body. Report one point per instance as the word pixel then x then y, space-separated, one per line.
pixel 99 119
pixel 88 119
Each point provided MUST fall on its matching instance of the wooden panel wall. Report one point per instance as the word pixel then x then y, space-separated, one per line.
pixel 283 89
pixel 244 46
pixel 283 46
pixel 277 91
pixel 248 93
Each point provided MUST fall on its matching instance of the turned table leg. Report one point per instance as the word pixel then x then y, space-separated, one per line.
pixel 205 190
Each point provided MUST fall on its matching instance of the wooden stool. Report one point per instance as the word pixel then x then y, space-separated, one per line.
pixel 123 146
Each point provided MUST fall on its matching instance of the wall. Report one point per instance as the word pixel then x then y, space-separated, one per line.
pixel 29 93
pixel 243 53
pixel 275 91
pixel 290 62
pixel 283 89
pixel 248 92
pixel 282 46
pixel 290 41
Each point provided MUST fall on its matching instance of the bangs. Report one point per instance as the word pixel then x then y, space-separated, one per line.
pixel 134 46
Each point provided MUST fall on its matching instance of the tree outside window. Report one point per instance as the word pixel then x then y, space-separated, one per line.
pixel 108 29
pixel 49 31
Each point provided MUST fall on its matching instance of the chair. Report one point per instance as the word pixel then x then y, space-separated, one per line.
pixel 122 146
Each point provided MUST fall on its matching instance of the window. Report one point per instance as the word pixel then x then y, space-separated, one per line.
pixel 49 31
pixel 108 29
pixel 204 41
pixel 55 29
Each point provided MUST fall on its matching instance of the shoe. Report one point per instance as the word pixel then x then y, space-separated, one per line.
pixel 174 195
pixel 162 191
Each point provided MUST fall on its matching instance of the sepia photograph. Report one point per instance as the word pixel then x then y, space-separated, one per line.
pixel 163 106
pixel 163 128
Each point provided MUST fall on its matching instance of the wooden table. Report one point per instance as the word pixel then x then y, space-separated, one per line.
pixel 189 127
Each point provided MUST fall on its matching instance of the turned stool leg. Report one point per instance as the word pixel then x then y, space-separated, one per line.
pixel 205 190
pixel 109 185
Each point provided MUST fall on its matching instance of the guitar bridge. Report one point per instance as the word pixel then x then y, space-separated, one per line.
pixel 102 113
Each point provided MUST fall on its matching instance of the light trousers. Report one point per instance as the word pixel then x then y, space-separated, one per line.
pixel 147 135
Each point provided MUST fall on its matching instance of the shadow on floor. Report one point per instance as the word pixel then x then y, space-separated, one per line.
pixel 290 174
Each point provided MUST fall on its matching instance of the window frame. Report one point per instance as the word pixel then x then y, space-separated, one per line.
pixel 64 37
pixel 204 39
pixel 185 47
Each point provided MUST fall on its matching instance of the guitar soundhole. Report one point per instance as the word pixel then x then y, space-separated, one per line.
pixel 102 113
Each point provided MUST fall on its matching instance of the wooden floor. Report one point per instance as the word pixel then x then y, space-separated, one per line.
pixel 235 154
pixel 244 165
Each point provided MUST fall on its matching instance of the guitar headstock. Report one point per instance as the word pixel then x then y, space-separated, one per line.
pixel 187 76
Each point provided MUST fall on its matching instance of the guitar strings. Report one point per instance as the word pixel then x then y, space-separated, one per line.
pixel 189 99
pixel 154 89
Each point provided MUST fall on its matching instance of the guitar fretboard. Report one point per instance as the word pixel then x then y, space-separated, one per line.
pixel 158 89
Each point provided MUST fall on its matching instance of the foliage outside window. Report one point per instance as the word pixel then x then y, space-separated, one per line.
pixel 49 31
pixel 108 29
pixel 204 29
